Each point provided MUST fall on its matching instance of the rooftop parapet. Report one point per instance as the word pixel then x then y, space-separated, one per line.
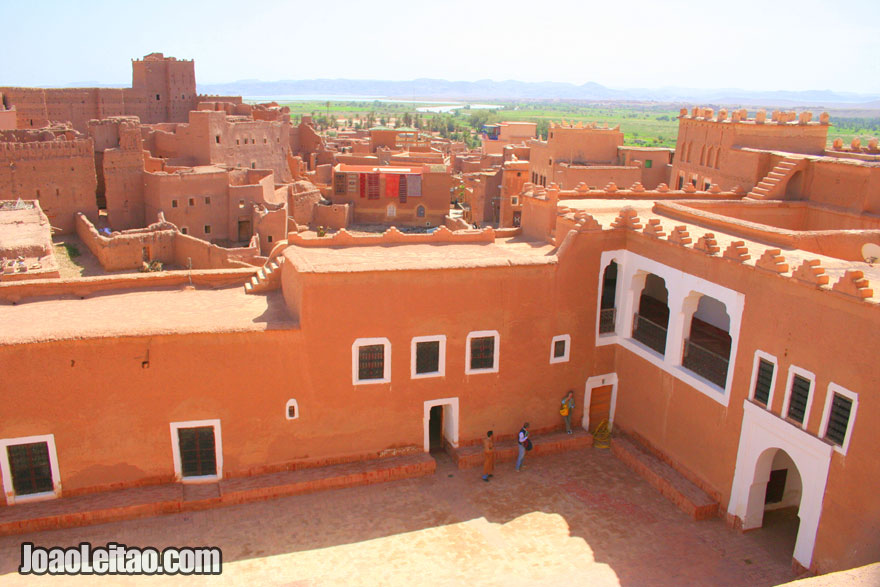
pixel 779 117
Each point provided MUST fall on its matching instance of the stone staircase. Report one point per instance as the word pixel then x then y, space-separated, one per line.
pixel 772 186
pixel 670 483
pixel 268 277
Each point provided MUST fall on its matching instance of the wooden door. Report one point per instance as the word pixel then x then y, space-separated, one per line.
pixel 600 405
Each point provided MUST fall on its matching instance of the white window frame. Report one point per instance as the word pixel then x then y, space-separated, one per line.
pixel 355 351
pixel 6 469
pixel 681 288
pixel 792 371
pixel 441 360
pixel 565 356
pixel 618 287
pixel 514 200
pixel 291 402
pixel 826 415
pixel 497 353
pixel 218 451
pixel 391 211
pixel 770 359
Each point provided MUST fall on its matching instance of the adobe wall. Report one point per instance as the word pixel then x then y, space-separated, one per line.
pixel 58 173
pixel 120 157
pixel 169 86
pixel 659 169
pixel 513 177
pixel 599 176
pixel 128 251
pixel 162 190
pixel 30 106
pixel 195 252
pixel 853 186
pixel 334 216
pixel 779 314
pixel 538 216
pixel 8 118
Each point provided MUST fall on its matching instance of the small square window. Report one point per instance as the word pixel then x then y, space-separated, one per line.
pixel 482 352
pixel 371 360
pixel 428 356
pixel 648 163
pixel 291 410
pixel 184 230
pixel 174 203
pixel 192 201
pixel 514 200
pixel 197 450
pixel 207 229
pixel 30 468
pixel 207 200
pixel 269 238
pixel 559 348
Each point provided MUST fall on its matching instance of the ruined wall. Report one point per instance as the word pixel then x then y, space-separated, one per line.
pixel 120 158
pixel 190 199
pixel 128 250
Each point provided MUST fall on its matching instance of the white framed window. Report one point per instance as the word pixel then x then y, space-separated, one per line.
pixel 197 451
pixel 30 468
pixel 428 356
pixel 370 361
pixel 391 211
pixel 514 200
pixel 763 384
pixel 559 348
pixel 839 416
pixel 482 352
pixel 291 410
pixel 798 396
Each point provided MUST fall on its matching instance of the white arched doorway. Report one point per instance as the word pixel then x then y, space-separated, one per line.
pixel 762 437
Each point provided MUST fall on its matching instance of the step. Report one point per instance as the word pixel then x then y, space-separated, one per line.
pixel 776 175
pixel 670 483
pixel 506 450
pixel 261 273
pixel 248 287
pixel 139 502
pixel 767 184
pixel 760 190
pixel 787 164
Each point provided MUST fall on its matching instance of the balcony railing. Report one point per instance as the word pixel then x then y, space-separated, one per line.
pixel 705 363
pixel 606 320
pixel 649 333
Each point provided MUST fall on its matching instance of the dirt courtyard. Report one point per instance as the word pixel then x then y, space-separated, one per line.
pixel 577 518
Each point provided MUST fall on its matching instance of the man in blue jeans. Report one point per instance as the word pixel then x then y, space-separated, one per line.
pixel 522 439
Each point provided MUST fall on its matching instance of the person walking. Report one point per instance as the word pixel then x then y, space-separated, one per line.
pixel 488 456
pixel 523 440
pixel 566 409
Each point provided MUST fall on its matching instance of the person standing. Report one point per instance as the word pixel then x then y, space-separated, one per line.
pixel 566 409
pixel 488 456
pixel 523 439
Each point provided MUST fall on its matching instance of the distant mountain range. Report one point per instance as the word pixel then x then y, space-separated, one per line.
pixel 488 90
pixel 438 89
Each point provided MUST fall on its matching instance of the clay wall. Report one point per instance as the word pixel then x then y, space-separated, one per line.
pixel 779 314
pixel 8 118
pixel 190 200
pixel 655 164
pixel 513 177
pixel 334 216
pixel 30 106
pixel 127 250
pixel 59 173
pixel 595 176
pixel 120 164
pixel 169 86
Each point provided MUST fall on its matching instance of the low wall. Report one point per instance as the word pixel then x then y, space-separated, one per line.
pixel 80 287
pixel 394 236
pixel 839 244
pixel 126 250
pixel 335 216
pixel 456 223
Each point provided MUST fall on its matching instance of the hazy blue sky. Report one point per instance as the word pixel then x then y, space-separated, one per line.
pixel 756 45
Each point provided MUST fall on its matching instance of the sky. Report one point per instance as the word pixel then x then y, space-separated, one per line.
pixel 754 45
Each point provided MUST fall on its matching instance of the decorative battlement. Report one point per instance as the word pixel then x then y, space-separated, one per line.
pixel 636 192
pixel 16 151
pixel 394 236
pixel 852 284
pixel 780 117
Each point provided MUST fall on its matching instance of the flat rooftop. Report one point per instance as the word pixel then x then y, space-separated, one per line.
pixel 143 312
pixel 403 257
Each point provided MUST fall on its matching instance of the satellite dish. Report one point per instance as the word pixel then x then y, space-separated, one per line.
pixel 871 252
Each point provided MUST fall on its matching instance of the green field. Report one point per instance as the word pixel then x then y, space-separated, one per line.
pixel 650 125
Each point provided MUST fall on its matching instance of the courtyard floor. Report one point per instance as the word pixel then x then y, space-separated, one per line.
pixel 576 518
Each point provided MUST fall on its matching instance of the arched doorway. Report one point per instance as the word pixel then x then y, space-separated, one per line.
pixel 651 322
pixel 782 485
pixel 768 443
pixel 707 345
pixel 794 189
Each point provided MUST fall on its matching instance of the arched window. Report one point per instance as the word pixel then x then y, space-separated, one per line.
pixel 391 211
pixel 420 211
